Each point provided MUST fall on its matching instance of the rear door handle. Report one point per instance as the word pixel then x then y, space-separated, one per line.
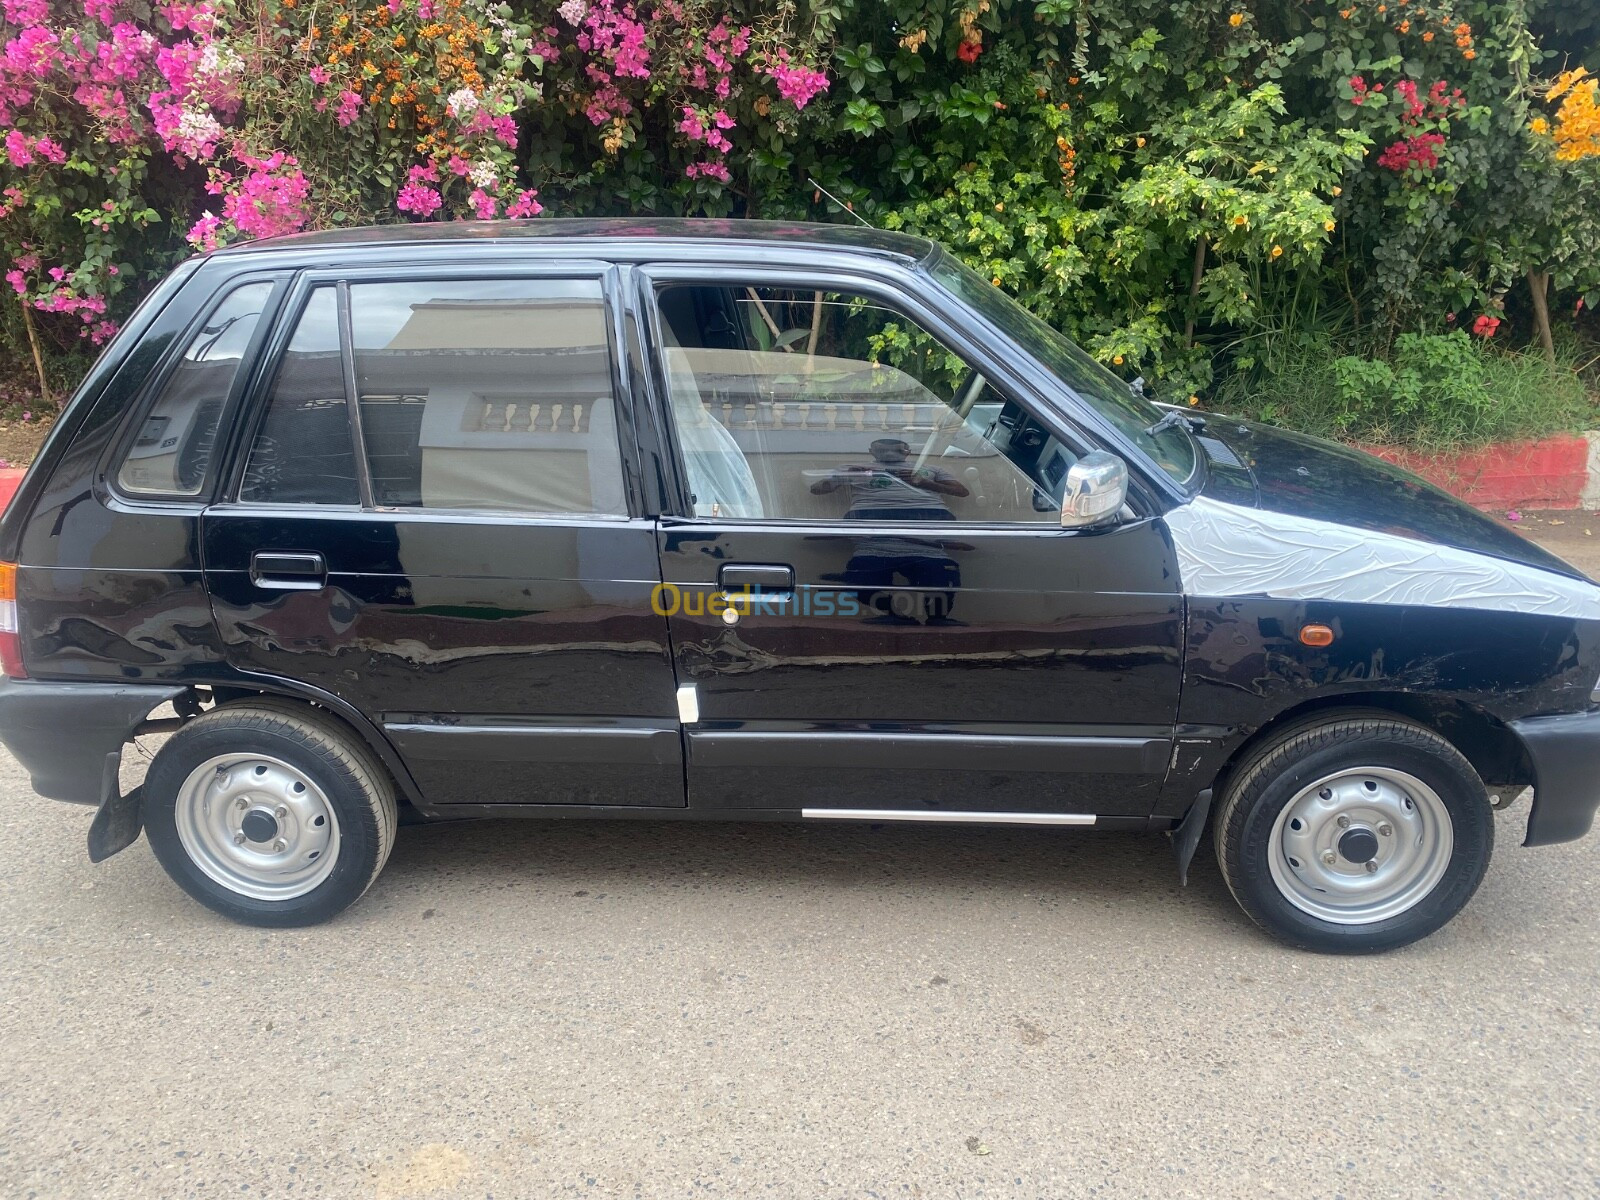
pixel 288 569
pixel 755 577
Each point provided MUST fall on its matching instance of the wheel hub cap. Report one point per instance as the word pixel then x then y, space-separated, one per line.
pixel 257 826
pixel 1357 845
pixel 1361 846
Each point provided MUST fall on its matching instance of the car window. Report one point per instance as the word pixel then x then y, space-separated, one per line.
pixel 824 405
pixel 488 395
pixel 302 452
pixel 1171 447
pixel 171 454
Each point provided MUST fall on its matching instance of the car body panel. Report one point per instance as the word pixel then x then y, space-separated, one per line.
pixel 515 666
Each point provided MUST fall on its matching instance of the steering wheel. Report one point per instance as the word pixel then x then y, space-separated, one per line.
pixel 965 396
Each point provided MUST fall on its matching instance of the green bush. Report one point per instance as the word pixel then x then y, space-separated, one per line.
pixel 1434 392
pixel 1196 190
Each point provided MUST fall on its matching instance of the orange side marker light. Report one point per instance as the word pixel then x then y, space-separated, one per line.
pixel 1316 635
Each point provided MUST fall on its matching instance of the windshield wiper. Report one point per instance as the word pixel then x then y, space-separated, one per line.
pixel 1176 419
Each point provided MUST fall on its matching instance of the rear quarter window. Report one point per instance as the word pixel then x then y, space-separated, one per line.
pixel 171 452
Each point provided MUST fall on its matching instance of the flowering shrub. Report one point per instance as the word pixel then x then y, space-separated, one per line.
pixel 1180 184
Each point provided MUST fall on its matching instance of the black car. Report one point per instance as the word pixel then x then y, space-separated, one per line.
pixel 716 520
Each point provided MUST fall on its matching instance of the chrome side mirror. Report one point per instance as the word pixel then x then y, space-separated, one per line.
pixel 1097 488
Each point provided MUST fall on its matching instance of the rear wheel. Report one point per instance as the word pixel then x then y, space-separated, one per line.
pixel 270 813
pixel 1355 834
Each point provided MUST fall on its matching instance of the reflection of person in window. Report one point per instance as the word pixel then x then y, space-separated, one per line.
pixel 890 489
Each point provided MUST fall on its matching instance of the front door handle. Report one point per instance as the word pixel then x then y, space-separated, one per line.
pixel 288 569
pixel 755 577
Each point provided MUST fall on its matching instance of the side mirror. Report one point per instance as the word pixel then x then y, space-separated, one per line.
pixel 1097 488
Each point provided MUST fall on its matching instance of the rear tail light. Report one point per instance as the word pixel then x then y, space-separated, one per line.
pixel 10 631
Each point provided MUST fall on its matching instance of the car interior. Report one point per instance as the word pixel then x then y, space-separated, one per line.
pixel 766 409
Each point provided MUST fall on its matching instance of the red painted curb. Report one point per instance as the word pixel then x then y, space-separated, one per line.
pixel 10 481
pixel 1551 473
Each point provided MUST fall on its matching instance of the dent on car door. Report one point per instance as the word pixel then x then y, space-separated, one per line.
pixel 455 555
pixel 928 638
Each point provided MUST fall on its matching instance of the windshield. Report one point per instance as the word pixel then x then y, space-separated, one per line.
pixel 1172 448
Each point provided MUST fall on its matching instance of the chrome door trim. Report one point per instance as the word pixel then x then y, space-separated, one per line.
pixel 958 818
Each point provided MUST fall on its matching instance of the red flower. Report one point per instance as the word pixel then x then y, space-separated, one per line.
pixel 1421 151
pixel 968 52
pixel 1485 325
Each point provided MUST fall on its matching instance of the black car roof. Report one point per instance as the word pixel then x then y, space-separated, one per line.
pixel 634 232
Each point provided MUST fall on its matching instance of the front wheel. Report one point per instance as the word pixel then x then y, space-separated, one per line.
pixel 269 812
pixel 1354 835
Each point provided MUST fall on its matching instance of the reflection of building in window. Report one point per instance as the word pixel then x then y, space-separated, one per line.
pixel 493 403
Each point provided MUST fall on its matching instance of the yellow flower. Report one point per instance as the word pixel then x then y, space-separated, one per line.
pixel 1117 360
pixel 1277 252
pixel 1139 142
pixel 1577 127
pixel 1193 400
pixel 1241 219
pixel 1539 125
pixel 1000 206
pixel 1236 20
pixel 1338 191
pixel 995 281
pixel 1328 225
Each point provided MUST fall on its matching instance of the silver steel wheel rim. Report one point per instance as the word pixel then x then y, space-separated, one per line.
pixel 257 826
pixel 1324 871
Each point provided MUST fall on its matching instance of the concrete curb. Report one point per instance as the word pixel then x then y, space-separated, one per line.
pixel 1557 472
pixel 1591 485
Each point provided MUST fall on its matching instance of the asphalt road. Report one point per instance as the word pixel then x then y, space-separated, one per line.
pixel 618 1009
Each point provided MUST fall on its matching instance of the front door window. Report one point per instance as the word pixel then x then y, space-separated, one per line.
pixel 807 404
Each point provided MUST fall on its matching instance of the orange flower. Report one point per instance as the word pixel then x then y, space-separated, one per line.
pixel 1236 20
pixel 1277 252
pixel 1470 55
pixel 1404 27
pixel 1428 37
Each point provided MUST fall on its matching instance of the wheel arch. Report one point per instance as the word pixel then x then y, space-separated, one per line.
pixel 1493 749
pixel 360 726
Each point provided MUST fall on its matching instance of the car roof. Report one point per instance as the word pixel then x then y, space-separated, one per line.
pixel 648 235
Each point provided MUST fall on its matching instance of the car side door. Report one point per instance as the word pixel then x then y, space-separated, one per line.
pixel 434 519
pixel 912 632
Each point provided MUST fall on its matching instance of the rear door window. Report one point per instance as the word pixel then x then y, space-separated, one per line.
pixel 474 394
pixel 488 394
pixel 303 452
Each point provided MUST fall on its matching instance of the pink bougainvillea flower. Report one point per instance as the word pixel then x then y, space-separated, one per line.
pixel 796 83
pixel 349 107
pixel 525 205
pixel 419 199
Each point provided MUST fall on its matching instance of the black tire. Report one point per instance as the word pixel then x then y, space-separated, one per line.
pixel 354 783
pixel 1273 775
